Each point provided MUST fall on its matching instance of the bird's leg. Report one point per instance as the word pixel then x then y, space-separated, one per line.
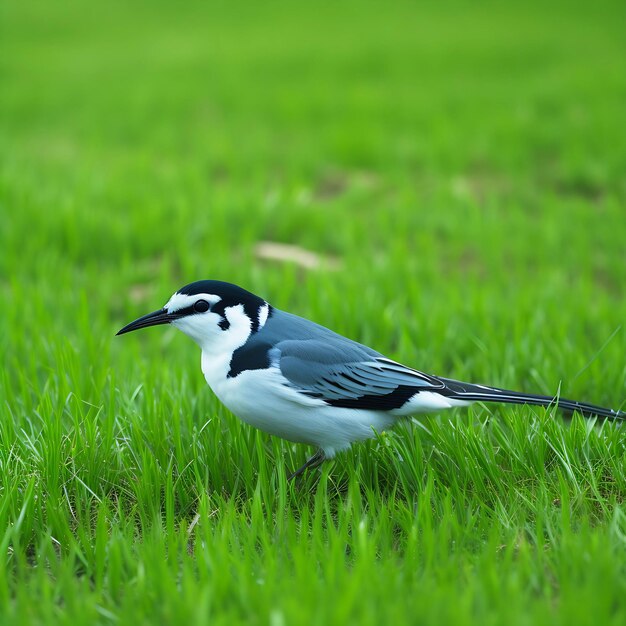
pixel 317 459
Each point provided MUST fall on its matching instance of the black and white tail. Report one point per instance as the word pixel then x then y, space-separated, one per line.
pixel 467 392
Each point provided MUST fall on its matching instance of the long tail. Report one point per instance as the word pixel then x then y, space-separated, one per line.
pixel 478 393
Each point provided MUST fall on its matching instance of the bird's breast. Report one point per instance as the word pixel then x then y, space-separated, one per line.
pixel 215 369
pixel 261 398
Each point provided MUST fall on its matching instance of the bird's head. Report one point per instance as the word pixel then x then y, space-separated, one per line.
pixel 213 313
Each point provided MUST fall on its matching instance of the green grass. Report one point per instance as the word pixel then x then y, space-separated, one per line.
pixel 463 164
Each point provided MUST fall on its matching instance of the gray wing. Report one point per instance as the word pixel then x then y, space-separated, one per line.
pixel 346 374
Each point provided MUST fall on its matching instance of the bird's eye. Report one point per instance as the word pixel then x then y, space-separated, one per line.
pixel 201 306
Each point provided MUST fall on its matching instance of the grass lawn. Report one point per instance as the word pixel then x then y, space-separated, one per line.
pixel 460 171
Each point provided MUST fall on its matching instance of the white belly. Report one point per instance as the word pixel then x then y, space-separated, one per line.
pixel 260 399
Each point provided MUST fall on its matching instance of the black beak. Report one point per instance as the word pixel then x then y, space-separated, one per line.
pixel 152 319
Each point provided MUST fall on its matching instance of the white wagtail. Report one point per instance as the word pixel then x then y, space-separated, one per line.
pixel 301 381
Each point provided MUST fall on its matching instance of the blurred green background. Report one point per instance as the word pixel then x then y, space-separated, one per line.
pixel 457 172
pixel 462 167
pixel 450 157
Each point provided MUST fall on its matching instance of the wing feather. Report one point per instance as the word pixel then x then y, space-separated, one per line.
pixel 345 374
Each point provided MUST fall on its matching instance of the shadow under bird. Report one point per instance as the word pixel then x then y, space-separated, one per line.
pixel 303 382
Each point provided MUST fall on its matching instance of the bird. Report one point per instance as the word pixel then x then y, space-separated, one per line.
pixel 298 380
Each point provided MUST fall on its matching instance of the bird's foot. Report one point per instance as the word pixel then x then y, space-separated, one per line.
pixel 315 461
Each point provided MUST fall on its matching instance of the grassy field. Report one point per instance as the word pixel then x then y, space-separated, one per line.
pixel 460 169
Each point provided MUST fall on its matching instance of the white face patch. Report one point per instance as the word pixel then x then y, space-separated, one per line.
pixel 203 328
pixel 207 329
pixel 181 301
